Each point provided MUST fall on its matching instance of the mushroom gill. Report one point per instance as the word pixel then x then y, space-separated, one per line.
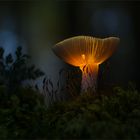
pixel 86 53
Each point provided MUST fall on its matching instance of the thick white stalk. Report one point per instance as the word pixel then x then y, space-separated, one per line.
pixel 89 77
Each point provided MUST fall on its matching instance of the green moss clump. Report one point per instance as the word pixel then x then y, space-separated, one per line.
pixel 96 117
pixel 21 114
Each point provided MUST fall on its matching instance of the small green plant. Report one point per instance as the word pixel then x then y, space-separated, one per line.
pixel 14 72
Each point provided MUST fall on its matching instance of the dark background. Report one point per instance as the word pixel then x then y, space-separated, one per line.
pixel 38 25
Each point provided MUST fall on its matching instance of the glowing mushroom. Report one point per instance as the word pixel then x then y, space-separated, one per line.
pixel 86 53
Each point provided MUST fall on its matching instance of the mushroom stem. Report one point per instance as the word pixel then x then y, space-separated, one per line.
pixel 89 77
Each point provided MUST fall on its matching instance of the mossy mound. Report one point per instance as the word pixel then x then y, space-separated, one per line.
pixel 96 117
pixel 23 115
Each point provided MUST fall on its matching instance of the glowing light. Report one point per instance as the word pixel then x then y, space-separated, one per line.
pixel 83 56
pixel 87 53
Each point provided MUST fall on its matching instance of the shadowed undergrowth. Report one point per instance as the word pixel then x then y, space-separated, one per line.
pixel 96 117
pixel 117 116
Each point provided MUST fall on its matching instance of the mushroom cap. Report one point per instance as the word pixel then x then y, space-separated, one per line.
pixel 82 50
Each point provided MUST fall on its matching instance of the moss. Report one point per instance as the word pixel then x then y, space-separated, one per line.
pixel 23 115
pixel 98 117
